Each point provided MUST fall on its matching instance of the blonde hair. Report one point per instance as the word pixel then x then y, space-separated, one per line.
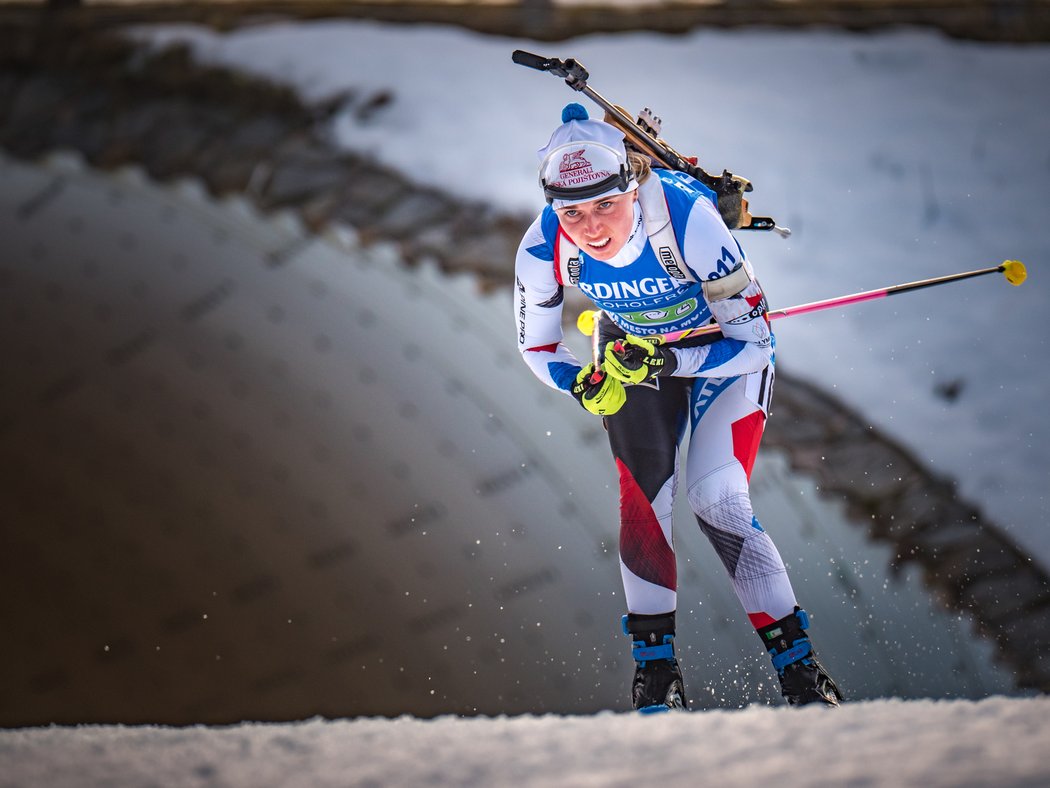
pixel 640 164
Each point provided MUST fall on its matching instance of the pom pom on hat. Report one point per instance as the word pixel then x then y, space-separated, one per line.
pixel 574 112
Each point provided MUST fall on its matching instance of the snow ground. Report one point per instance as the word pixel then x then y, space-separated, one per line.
pixel 915 161
pixel 996 741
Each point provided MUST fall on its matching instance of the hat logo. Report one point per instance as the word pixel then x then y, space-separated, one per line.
pixel 573 161
pixel 575 170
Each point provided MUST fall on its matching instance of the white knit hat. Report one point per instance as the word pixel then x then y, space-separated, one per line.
pixel 583 161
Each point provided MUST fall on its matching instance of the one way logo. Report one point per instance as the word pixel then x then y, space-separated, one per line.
pixel 758 308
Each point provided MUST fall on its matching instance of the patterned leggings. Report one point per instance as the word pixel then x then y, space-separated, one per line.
pixel 726 416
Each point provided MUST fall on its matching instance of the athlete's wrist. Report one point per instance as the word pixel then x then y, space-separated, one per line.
pixel 671 363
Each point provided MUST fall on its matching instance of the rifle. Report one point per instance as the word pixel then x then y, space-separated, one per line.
pixel 642 134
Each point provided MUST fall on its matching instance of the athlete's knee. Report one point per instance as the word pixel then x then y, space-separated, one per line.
pixel 701 496
pixel 719 496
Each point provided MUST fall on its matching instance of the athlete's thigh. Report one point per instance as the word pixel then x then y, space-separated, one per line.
pixel 727 427
pixel 644 435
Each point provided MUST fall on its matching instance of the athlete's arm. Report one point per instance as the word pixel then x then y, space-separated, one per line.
pixel 538 300
pixel 733 295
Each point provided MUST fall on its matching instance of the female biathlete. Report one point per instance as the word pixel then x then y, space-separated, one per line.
pixel 651 251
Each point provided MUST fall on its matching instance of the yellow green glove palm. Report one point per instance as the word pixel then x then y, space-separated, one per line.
pixel 599 393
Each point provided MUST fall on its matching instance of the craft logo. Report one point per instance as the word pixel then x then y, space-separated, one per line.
pixel 575 170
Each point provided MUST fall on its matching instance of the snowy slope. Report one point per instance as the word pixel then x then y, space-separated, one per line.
pixel 914 161
pixel 996 741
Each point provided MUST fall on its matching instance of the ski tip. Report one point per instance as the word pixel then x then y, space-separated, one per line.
pixel 658 708
pixel 1014 271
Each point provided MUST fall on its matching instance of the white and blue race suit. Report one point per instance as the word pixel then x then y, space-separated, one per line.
pixel 720 391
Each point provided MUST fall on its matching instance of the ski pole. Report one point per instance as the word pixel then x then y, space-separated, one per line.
pixel 1013 270
pixel 587 323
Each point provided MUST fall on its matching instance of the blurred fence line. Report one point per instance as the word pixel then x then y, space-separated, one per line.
pixel 1018 21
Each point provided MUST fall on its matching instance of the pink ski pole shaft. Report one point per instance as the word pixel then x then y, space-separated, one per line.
pixel 1014 271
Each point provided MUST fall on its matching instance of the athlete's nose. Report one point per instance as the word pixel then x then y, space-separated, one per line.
pixel 592 225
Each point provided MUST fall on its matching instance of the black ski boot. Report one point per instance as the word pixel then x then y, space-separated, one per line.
pixel 658 682
pixel 802 678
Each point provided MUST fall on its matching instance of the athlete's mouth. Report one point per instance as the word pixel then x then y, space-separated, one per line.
pixel 600 244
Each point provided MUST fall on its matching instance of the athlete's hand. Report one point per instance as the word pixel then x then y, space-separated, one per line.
pixel 637 360
pixel 601 394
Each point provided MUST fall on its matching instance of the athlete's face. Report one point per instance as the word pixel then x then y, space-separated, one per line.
pixel 600 227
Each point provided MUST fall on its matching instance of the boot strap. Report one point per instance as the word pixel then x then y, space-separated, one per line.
pixel 798 651
pixel 643 653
